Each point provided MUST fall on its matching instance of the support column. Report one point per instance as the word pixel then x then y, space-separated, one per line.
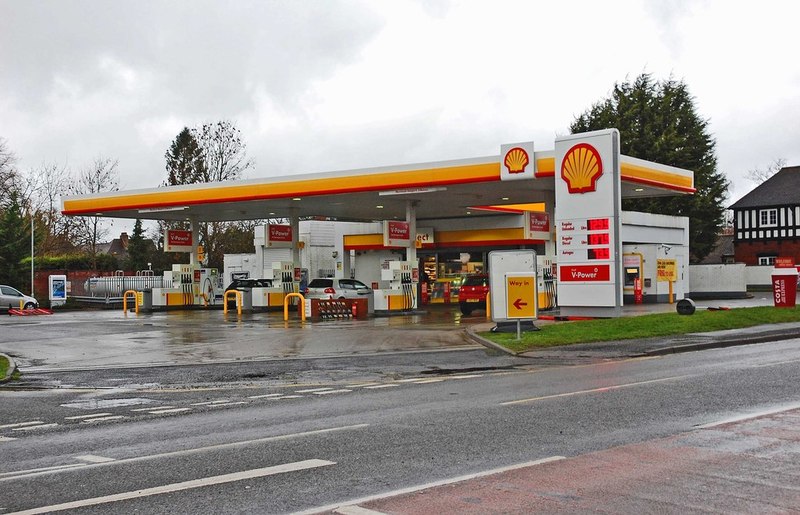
pixel 411 218
pixel 195 228
pixel 294 223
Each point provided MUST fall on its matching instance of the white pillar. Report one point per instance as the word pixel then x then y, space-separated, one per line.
pixel 294 222
pixel 411 218
pixel 195 228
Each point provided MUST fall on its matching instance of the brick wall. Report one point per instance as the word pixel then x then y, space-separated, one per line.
pixel 749 252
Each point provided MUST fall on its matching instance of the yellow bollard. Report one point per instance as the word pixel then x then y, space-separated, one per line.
pixel 489 306
pixel 238 296
pixel 302 306
pixel 125 301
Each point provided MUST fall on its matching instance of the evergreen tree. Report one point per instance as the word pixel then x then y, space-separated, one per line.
pixel 15 238
pixel 139 248
pixel 185 163
pixel 658 122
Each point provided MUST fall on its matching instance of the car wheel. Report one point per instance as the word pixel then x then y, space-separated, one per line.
pixel 30 305
pixel 466 309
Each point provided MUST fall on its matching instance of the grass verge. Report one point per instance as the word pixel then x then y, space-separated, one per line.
pixel 4 364
pixel 644 326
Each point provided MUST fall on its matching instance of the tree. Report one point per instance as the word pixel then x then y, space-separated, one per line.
pixel 759 175
pixel 140 248
pixel 54 230
pixel 209 153
pixel 224 151
pixel 15 237
pixel 658 121
pixel 102 175
pixel 185 163
pixel 8 171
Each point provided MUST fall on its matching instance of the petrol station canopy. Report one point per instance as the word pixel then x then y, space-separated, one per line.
pixel 445 189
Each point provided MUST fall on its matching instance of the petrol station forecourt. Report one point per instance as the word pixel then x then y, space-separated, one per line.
pixel 565 204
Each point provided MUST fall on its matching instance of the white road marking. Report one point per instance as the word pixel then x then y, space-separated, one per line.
pixel 403 491
pixel 208 403
pixel 6 438
pixel 169 410
pixel 343 390
pixel 266 396
pixel 428 381
pixel 313 390
pixel 21 424
pixel 593 390
pixel 101 419
pixel 749 416
pixel 78 417
pixel 91 458
pixel 289 397
pixel 361 385
pixel 410 380
pixel 381 386
pixel 152 408
pixel 470 376
pixel 225 404
pixel 356 510
pixel 185 485
pixel 32 428
pixel 11 476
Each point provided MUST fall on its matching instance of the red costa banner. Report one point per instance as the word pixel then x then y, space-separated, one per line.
pixel 584 273
pixel 178 240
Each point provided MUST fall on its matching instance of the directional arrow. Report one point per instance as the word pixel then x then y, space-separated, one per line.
pixel 518 303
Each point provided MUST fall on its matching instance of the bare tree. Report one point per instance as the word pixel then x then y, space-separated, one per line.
pixel 224 152
pixel 102 175
pixel 47 183
pixel 8 171
pixel 759 175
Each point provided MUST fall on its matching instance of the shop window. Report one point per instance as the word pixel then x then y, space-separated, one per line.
pixel 766 260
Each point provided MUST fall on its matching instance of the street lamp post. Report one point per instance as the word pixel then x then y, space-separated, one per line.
pixel 32 292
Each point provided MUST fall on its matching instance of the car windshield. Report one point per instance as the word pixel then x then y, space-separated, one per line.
pixel 476 280
pixel 321 283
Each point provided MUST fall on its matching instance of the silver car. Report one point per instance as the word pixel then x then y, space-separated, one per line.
pixel 10 299
pixel 332 288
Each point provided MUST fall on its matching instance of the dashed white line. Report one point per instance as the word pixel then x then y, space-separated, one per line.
pixel 32 428
pixel 225 404
pixel 185 485
pixel 168 410
pixel 313 390
pixel 470 376
pixel 343 390
pixel 428 381
pixel 361 385
pixel 593 390
pixel 266 396
pixel 91 458
pixel 91 415
pixel 410 380
pixel 21 424
pixel 101 419
pixel 381 386
pixel 6 438
pixel 152 408
pixel 289 397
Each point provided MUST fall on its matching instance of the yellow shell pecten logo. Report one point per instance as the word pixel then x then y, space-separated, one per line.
pixel 581 168
pixel 516 160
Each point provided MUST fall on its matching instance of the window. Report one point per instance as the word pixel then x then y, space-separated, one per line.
pixel 768 218
pixel 766 260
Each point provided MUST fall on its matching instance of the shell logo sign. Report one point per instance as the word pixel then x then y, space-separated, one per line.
pixel 581 168
pixel 516 160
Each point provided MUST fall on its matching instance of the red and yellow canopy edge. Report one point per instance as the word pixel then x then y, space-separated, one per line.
pixel 219 193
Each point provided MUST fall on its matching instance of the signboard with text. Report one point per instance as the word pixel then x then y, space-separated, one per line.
pixel 587 223
pixel 666 270
pixel 512 285
pixel 178 240
pixel 396 234
pixel 537 225
pixel 278 236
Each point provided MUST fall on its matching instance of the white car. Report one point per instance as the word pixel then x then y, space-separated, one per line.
pixel 332 288
pixel 10 299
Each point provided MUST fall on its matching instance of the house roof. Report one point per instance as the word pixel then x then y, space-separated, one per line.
pixel 722 248
pixel 780 189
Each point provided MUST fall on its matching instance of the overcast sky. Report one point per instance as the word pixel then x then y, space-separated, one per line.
pixel 330 85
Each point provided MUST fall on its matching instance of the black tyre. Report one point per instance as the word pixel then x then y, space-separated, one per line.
pixel 466 309
pixel 30 305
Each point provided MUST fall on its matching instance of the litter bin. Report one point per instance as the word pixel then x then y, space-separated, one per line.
pixel 784 287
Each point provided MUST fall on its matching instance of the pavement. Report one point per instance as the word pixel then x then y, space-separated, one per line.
pixel 101 339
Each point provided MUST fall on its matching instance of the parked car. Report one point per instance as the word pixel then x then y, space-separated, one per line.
pixel 242 284
pixel 472 294
pixel 10 298
pixel 332 288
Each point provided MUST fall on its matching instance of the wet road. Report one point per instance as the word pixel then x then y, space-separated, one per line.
pixel 272 449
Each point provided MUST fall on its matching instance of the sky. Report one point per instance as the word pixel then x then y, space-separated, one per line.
pixel 330 85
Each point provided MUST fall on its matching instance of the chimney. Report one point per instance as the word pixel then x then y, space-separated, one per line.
pixel 123 239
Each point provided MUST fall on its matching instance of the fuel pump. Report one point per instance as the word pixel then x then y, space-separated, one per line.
pixel 401 295
pixel 282 275
pixel 546 282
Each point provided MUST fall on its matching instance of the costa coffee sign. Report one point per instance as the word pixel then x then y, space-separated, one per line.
pixel 178 240
pixel 279 235
pixel 396 234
